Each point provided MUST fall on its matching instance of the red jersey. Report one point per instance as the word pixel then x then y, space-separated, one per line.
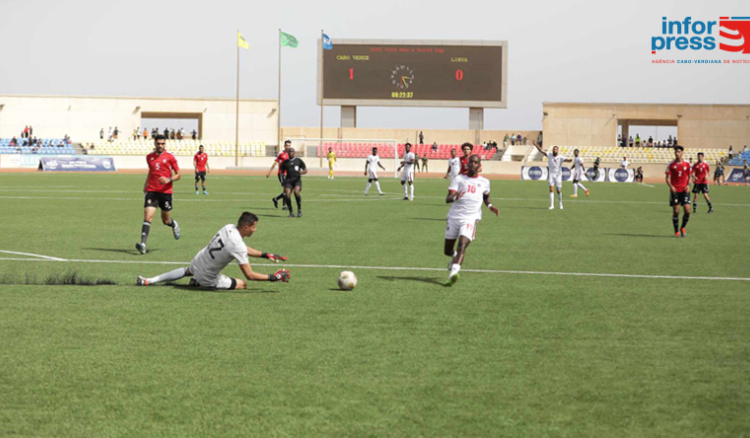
pixel 160 165
pixel 700 170
pixel 464 165
pixel 283 156
pixel 678 175
pixel 200 160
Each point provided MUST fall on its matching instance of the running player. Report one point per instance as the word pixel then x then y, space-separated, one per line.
pixel 700 183
pixel 283 156
pixel 162 172
pixel 227 245
pixel 200 162
pixel 407 176
pixel 719 173
pixel 454 166
pixel 371 170
pixel 677 177
pixel 554 162
pixel 293 168
pixel 578 171
pixel 331 162
pixel 466 193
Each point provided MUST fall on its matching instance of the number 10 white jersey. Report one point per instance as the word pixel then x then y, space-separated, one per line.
pixel 469 207
pixel 227 245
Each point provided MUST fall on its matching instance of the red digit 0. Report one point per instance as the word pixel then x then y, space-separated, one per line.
pixel 459 74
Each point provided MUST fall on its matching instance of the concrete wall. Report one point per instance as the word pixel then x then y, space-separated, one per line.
pixel 595 124
pixel 83 117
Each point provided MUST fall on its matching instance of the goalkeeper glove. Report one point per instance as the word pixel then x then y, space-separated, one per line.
pixel 273 257
pixel 280 275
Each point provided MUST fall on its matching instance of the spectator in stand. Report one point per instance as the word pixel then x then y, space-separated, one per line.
pixel 172 134
pixel 624 163
pixel 744 150
pixel 13 141
pixel 630 141
pixel 166 132
pixel 60 145
pixel 525 139
pixel 512 139
pixel 730 153
pixel 31 130
pixel 25 133
pixel 675 140
pixel 434 146
pixel 421 137
pixel 619 140
pixel 424 163
pixel 650 141
pixel 101 134
pixel 136 133
pixel 109 134
pixel 637 140
pixel 505 141
pixel 116 133
pixel 194 134
pixel 66 139
pixel 518 139
pixel 539 138
pixel 145 134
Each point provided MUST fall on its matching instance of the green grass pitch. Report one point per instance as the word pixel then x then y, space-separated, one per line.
pixel 499 354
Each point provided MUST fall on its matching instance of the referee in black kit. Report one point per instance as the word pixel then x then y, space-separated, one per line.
pixel 294 168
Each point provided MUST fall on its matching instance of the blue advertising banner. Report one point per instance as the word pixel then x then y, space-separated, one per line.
pixel 621 175
pixel 534 173
pixel 737 175
pixel 71 163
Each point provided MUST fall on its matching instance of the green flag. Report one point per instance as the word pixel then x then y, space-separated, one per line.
pixel 288 40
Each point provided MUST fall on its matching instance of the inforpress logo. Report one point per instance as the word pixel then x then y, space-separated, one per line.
pixel 686 34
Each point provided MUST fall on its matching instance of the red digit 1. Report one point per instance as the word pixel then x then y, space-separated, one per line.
pixel 351 73
pixel 459 74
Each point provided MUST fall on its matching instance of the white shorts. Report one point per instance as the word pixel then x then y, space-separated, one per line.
pixel 577 175
pixel 407 175
pixel 461 227
pixel 221 281
pixel 555 180
pixel 372 174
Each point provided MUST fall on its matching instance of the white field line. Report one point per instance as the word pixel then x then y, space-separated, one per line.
pixel 363 199
pixel 401 268
pixel 54 259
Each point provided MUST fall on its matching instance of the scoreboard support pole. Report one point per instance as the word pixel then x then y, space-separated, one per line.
pixel 476 122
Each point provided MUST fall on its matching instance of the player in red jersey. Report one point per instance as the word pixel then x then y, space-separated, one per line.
pixel 678 178
pixel 200 162
pixel 466 148
pixel 162 172
pixel 700 182
pixel 283 156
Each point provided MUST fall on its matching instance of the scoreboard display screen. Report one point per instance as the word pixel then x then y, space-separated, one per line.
pixel 393 73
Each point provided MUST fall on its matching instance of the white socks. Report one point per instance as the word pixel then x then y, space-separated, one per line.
pixel 411 187
pixel 367 189
pixel 551 199
pixel 454 269
pixel 582 187
pixel 406 192
pixel 559 196
pixel 575 189
pixel 377 185
pixel 169 276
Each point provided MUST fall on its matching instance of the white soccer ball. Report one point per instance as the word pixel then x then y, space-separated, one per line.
pixel 347 280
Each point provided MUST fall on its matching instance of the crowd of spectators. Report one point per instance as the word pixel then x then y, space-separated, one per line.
pixel 514 139
pixel 169 133
pixel 639 142
pixel 29 140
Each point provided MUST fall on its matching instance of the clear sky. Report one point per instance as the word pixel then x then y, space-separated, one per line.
pixel 598 51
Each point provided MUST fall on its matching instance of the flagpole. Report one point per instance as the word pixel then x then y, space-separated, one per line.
pixel 322 94
pixel 278 100
pixel 237 112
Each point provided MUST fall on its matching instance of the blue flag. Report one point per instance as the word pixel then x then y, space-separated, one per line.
pixel 327 43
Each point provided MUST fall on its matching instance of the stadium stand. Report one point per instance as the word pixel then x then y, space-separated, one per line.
pixel 186 147
pixel 740 159
pixel 362 150
pixel 46 146
pixel 638 156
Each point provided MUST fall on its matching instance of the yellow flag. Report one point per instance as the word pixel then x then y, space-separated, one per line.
pixel 241 41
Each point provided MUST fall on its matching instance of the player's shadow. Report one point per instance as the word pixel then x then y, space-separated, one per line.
pixel 656 236
pixel 185 287
pixel 273 216
pixel 427 219
pixel 526 208
pixel 429 280
pixel 120 250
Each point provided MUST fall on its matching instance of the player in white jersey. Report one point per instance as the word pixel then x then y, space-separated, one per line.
pixel 454 166
pixel 371 171
pixel 579 170
pixel 407 176
pixel 467 193
pixel 227 245
pixel 554 163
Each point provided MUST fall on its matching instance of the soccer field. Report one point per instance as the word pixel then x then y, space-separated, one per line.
pixel 564 323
